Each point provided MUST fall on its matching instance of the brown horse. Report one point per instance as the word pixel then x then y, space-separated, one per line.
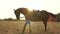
pixel 42 15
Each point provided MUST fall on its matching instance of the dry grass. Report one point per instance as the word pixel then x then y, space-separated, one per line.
pixel 16 27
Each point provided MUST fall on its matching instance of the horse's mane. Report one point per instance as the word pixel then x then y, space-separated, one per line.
pixel 22 8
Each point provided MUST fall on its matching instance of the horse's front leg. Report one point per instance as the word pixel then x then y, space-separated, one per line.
pixel 24 28
pixel 30 28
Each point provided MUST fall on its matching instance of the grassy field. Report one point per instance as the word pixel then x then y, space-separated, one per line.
pixel 16 27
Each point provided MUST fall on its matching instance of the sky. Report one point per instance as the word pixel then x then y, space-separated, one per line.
pixel 7 6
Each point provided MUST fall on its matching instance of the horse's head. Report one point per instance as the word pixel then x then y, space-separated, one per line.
pixel 17 13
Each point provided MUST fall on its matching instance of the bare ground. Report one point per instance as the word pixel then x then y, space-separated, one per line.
pixel 16 27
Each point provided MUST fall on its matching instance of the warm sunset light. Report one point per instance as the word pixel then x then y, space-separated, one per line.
pixel 7 6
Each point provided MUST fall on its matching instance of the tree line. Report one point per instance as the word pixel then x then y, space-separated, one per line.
pixel 58 17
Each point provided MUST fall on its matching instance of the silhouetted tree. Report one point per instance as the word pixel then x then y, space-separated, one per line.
pixel 58 17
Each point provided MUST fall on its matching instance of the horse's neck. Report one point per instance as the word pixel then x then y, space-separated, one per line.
pixel 24 13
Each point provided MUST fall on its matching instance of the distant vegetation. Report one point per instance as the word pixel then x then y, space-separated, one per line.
pixel 9 19
pixel 58 17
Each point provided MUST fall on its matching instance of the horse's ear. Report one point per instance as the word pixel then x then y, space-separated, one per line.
pixel 14 9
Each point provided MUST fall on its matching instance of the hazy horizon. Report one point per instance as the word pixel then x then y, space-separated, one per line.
pixel 7 6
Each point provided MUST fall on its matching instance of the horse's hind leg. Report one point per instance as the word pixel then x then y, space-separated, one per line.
pixel 45 24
